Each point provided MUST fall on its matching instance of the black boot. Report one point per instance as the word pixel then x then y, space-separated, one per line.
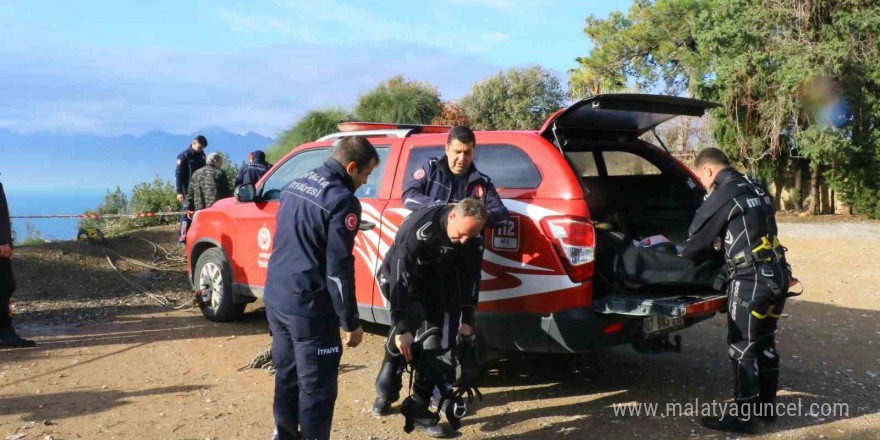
pixel 280 435
pixel 381 407
pixel 767 412
pixel 436 431
pixel 769 383
pixel 10 339
pixel 389 381
pixel 733 420
pixel 420 418
pixel 730 423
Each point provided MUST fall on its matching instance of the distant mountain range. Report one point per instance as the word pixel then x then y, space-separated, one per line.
pixel 47 161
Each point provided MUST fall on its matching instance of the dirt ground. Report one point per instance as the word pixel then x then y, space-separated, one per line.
pixel 112 364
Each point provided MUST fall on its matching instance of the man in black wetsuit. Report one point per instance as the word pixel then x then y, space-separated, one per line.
pixel 736 223
pixel 434 266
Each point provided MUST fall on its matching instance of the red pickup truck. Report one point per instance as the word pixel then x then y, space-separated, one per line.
pixel 540 288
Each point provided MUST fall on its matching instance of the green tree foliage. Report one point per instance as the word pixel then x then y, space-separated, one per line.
pixel 400 101
pixel 115 202
pixel 775 66
pixel 519 99
pixel 313 125
pixel 653 43
pixel 34 236
pixel 155 196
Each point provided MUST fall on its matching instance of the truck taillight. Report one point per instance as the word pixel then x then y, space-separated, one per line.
pixel 575 241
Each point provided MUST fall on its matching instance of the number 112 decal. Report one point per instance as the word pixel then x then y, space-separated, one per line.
pixel 505 237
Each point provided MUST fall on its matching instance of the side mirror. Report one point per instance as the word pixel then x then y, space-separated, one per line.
pixel 245 193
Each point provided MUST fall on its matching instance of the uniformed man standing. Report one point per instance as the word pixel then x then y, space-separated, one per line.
pixel 254 170
pixel 188 162
pixel 736 223
pixel 310 288
pixel 8 337
pixel 435 263
pixel 453 177
pixel 209 184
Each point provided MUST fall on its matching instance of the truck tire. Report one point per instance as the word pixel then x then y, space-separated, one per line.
pixel 213 276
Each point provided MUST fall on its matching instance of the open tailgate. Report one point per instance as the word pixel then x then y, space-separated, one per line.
pixel 665 307
pixel 621 115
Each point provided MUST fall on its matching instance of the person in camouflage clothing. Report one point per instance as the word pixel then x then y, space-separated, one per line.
pixel 208 184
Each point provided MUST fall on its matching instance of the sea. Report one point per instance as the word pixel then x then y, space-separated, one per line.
pixel 50 201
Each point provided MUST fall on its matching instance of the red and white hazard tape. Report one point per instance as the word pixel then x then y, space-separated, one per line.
pixel 137 215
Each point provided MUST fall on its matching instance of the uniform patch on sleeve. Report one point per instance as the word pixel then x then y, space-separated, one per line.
pixel 419 174
pixel 178 161
pixel 351 222
pixel 479 191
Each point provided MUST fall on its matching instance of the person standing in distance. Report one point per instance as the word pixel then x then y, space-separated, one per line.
pixel 254 170
pixel 209 184
pixel 188 162
pixel 8 337
pixel 310 288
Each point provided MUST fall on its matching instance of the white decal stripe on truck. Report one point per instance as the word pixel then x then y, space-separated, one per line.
pixel 373 247
pixel 531 285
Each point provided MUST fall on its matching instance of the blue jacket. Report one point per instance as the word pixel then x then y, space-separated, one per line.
pixel 251 173
pixel 311 270
pixel 188 162
pixel 432 185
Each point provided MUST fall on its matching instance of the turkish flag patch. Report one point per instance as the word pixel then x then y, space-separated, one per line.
pixel 419 174
pixel 479 191
pixel 178 161
pixel 351 222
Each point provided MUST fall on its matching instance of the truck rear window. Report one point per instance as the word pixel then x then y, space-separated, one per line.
pixel 622 163
pixel 617 163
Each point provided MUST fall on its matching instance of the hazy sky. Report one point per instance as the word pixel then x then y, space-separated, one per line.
pixel 114 67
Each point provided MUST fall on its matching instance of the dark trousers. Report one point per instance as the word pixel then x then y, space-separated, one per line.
pixel 185 222
pixel 752 317
pixel 7 286
pixel 306 353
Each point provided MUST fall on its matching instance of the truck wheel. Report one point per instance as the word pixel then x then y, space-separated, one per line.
pixel 213 277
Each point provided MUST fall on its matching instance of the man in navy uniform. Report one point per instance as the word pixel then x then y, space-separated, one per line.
pixel 310 288
pixel 188 162
pixel 453 177
pixel 8 337
pixel 254 170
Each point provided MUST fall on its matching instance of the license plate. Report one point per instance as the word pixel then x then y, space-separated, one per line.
pixel 656 324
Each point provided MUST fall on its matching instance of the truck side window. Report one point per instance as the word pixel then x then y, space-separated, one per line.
pixel 507 165
pixel 291 169
pixel 622 163
pixel 310 159
pixel 370 190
